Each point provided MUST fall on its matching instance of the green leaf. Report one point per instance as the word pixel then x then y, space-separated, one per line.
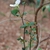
pixel 24 26
pixel 38 3
pixel 39 49
pixel 19 38
pixel 24 13
pixel 27 24
pixel 34 38
pixel 14 11
pixel 31 24
pixel 43 9
pixel 34 29
pixel 26 32
pixel 23 48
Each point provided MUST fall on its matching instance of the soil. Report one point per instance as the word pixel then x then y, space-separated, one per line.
pixel 10 29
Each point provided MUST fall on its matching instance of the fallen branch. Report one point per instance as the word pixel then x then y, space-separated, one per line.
pixel 45 39
pixel 42 41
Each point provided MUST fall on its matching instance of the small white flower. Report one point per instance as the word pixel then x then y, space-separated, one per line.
pixel 17 2
pixel 21 37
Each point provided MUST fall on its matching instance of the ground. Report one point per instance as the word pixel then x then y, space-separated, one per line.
pixel 10 30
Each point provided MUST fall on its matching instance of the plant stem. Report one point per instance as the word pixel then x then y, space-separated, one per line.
pixel 36 30
pixel 24 38
pixel 23 24
pixel 30 42
pixel 30 37
pixel 24 33
pixel 36 13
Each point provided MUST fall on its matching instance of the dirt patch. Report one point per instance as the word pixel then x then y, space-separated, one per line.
pixel 10 30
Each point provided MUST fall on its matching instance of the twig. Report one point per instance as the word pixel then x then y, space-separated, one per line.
pixel 45 4
pixel 12 19
pixel 3 21
pixel 41 7
pixel 30 37
pixel 39 33
pixel 45 39
pixel 23 24
pixel 44 28
pixel 42 41
pixel 39 36
pixel 36 13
